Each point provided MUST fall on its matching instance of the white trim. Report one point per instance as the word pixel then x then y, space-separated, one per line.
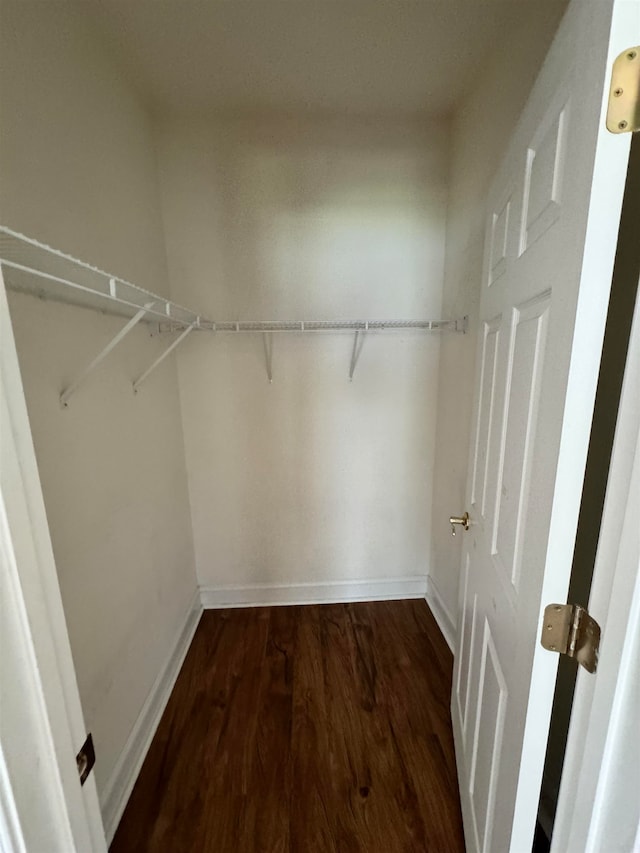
pixel 441 613
pixel 602 747
pixel 321 592
pixel 120 785
pixel 11 837
pixel 42 803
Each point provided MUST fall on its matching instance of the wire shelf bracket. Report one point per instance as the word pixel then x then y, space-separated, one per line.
pixel 355 354
pixel 267 343
pixel 138 382
pixel 113 343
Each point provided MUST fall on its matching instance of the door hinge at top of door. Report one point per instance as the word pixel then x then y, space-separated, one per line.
pixel 569 630
pixel 623 111
pixel 85 759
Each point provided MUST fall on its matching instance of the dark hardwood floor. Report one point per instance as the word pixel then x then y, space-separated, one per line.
pixel 295 729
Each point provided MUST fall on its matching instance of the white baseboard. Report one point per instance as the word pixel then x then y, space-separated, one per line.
pixel 322 592
pixel 118 789
pixel 441 614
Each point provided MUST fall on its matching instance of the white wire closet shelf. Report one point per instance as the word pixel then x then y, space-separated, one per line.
pixel 32 267
pixel 270 326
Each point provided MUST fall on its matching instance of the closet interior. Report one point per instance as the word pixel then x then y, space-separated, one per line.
pixel 242 245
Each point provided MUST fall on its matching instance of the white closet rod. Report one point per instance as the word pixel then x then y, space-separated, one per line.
pixel 270 326
pixel 36 268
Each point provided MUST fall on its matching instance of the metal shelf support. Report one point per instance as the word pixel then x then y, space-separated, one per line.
pixel 267 342
pixel 355 354
pixel 68 392
pixel 161 358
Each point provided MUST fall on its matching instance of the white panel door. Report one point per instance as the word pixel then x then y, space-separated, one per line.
pixel 553 212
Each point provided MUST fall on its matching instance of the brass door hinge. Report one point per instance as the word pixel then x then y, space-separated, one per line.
pixel 85 759
pixel 569 630
pixel 623 111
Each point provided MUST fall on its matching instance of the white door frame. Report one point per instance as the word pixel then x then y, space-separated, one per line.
pixel 42 805
pixel 598 804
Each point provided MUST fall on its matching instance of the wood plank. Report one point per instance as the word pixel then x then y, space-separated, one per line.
pixel 320 728
pixel 269 789
pixel 312 816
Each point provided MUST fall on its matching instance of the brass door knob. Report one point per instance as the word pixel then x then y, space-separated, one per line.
pixel 462 520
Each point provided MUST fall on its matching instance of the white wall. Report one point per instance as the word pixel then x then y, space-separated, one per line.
pixel 77 170
pixel 311 478
pixel 481 129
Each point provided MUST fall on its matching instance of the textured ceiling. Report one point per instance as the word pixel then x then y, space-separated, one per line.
pixel 374 57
